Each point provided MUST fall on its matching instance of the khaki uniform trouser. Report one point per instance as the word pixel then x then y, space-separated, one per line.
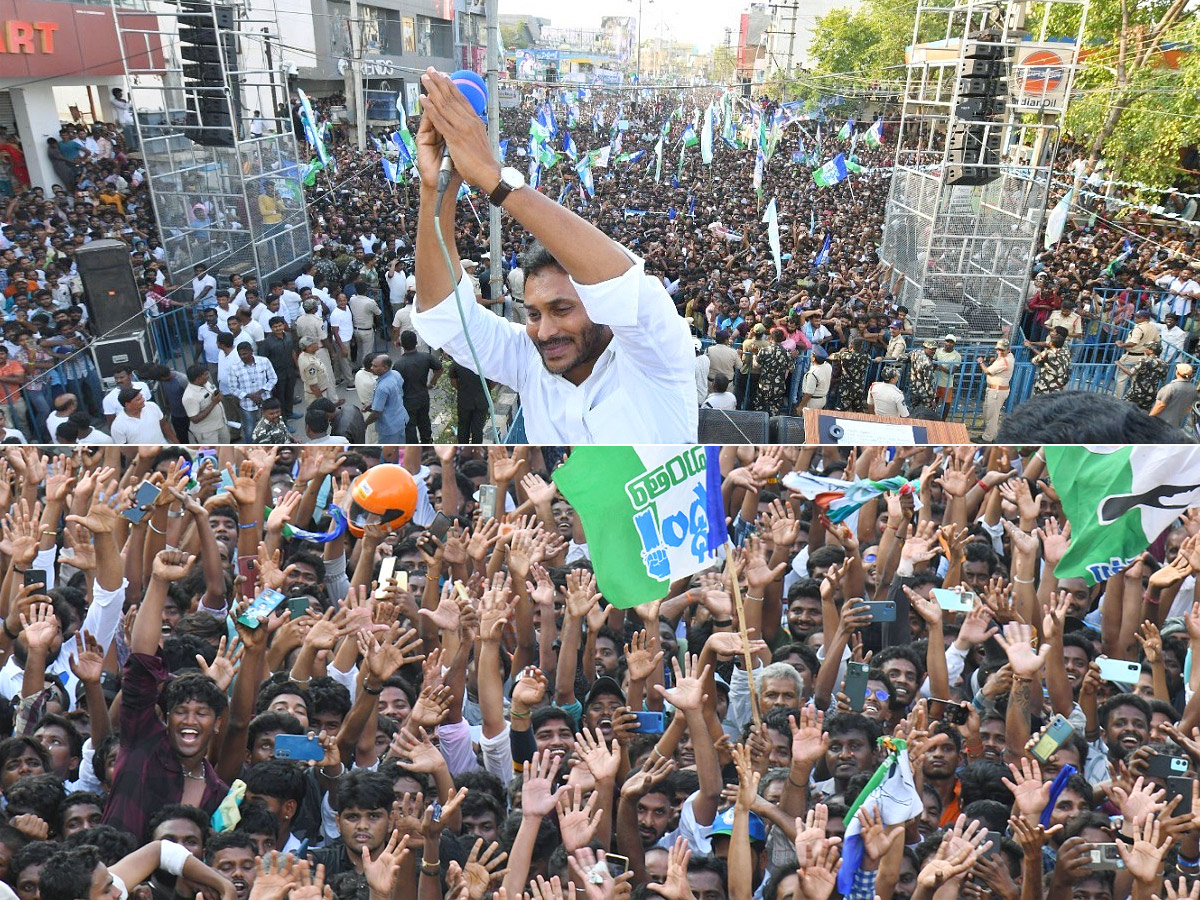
pixel 993 405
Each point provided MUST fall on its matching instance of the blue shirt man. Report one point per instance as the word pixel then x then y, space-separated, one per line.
pixel 387 403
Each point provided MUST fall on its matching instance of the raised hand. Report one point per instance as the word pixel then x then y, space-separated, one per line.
pixel 676 886
pixel 809 740
pixel 653 771
pixel 688 692
pixel 1141 801
pixel 381 871
pixel 1031 795
pixel 1017 641
pixel 819 877
pixel 537 795
pixel 603 762
pixel 1031 835
pixel 530 689
pixel 928 610
pixel 87 662
pixel 1150 639
pixel 1150 844
pixel 810 833
pixel 877 838
pixel 225 666
pixel 416 752
pixel 577 819
pixel 171 565
pixel 1055 541
pixel 539 491
pixel 640 662
pixel 482 866
pixel 433 704
pixel 581 593
pixel 278 874
pixel 40 628
pixel 445 616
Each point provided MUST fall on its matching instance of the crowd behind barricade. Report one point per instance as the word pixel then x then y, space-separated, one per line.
pixel 229 677
pixel 829 336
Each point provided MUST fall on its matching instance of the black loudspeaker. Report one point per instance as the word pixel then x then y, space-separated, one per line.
pixel 787 430
pixel 731 426
pixel 129 350
pixel 202 29
pixel 113 298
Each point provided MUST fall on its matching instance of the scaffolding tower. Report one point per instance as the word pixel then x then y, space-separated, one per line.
pixel 226 184
pixel 971 179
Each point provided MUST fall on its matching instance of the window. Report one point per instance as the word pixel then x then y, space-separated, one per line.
pixel 409 32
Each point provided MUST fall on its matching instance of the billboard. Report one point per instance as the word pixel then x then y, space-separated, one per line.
pixel 1042 75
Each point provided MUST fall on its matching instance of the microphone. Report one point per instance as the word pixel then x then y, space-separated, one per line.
pixel 471 86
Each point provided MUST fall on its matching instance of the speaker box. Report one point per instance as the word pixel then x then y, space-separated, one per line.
pixel 731 426
pixel 128 350
pixel 113 297
pixel 787 430
pixel 970 175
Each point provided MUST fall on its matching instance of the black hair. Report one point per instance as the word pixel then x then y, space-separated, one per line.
pixel 74 738
pixel 257 819
pixel 112 843
pixel 276 778
pixel 1083 417
pixel 101 754
pixel 225 841
pixel 982 779
pixel 267 696
pixel 76 798
pixel 32 854
pixel 804 587
pixel 194 686
pixel 993 814
pixel 549 713
pixel 482 782
pixel 478 803
pixel 849 723
pixel 537 259
pixel 273 720
pixel 1137 702
pixel 179 651
pixel 37 794
pixel 363 789
pixel 826 556
pixel 180 811
pixel 67 875
pixel 329 696
pixel 1075 639
pixel 899 651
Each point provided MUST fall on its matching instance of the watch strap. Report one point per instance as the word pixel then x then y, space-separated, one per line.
pixel 498 195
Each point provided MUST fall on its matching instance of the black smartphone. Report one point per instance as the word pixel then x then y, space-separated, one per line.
pixel 1163 765
pixel 954 713
pixel 439 526
pixel 35 576
pixel 1180 786
pixel 855 685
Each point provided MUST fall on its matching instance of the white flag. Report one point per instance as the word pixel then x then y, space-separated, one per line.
pixel 1056 222
pixel 772 220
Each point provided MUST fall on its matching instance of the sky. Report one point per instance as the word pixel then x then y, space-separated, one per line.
pixel 700 22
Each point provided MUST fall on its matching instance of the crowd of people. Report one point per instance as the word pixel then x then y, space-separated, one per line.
pixel 227 678
pixel 1114 290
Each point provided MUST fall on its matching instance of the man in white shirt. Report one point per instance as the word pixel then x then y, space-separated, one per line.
pixel 341 332
pixel 604 357
pixel 204 288
pixel 204 408
pixel 290 301
pixel 110 406
pixel 1173 337
pixel 305 278
pixel 64 405
pixel 397 283
pixel 225 310
pixel 885 397
pixel 140 421
pixel 207 334
pixel 1182 287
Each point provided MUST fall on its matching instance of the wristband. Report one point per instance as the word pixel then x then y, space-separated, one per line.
pixel 1185 863
pixel 1150 600
pixel 516 715
pixel 10 635
pixel 172 856
pixel 373 693
pixel 1017 580
pixel 248 525
pixel 431 870
pixel 722 623
pixel 982 486
pixel 155 530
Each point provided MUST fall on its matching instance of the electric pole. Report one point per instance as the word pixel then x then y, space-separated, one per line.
pixel 495 246
pixel 355 100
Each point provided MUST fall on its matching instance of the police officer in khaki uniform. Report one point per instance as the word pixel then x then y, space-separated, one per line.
pixel 1144 333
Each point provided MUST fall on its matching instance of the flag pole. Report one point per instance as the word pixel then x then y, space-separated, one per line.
pixel 748 659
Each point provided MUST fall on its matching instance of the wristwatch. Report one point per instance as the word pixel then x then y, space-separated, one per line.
pixel 510 180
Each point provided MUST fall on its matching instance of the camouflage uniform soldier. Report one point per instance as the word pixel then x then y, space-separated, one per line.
pixel 1054 363
pixel 1145 377
pixel 852 381
pixel 922 377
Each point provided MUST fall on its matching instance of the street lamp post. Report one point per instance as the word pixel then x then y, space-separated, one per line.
pixel 639 39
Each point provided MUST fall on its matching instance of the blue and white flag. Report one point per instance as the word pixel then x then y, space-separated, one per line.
pixel 892 791
pixel 503 149
pixel 392 172
pixel 875 134
pixel 823 256
pixel 569 147
pixel 847 130
pixel 771 218
pixel 832 172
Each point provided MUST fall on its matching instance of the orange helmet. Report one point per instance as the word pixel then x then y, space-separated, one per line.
pixel 383 495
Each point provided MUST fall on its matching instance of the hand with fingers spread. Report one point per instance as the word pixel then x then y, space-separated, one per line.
pixel 87 662
pixel 676 885
pixel 445 615
pixel 1055 541
pixel 810 834
pixel 577 819
pixel 382 869
pixel 688 692
pixel 416 751
pixel 538 798
pixel 878 839
pixel 540 492
pixel 277 876
pixel 225 665
pixel 483 865
pixel 602 761
pixel 640 661
pixel 819 878
pixel 929 610
pixel 1143 799
pixel 1144 857
pixel 1180 890
pixel 432 706
pixel 1017 641
pixel 955 856
pixel 41 628
pixel 809 738
pixel 530 690
pixel 1031 795
pixel 653 770
pixel 581 593
pixel 1151 640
